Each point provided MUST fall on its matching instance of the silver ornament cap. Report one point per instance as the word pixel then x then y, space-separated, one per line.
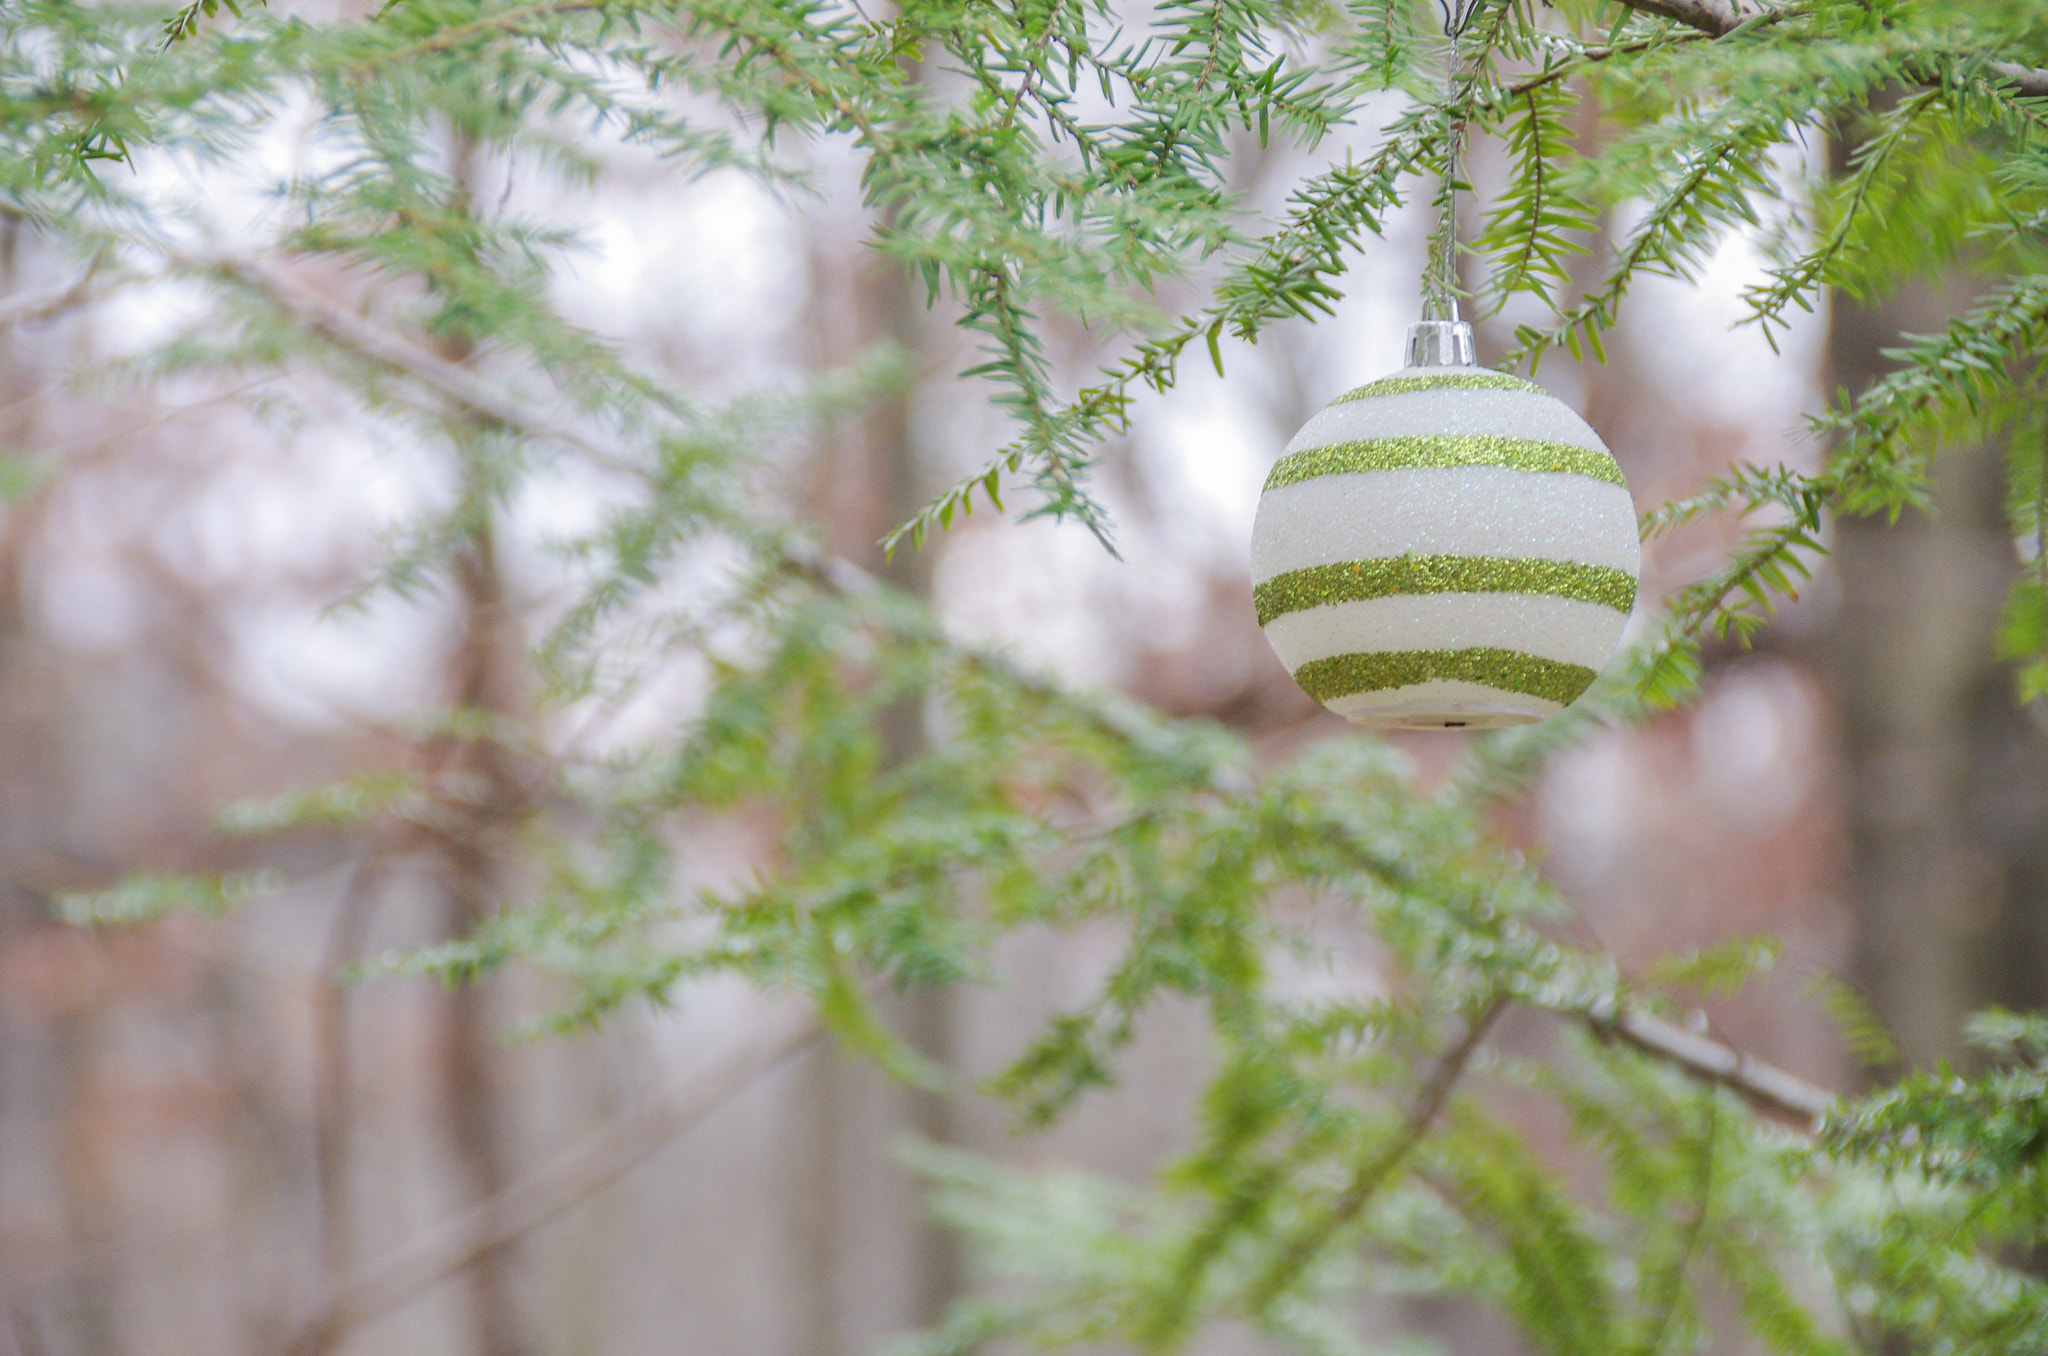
pixel 1440 343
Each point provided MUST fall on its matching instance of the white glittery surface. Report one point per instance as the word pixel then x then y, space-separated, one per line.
pixel 1564 629
pixel 1451 511
pixel 1473 413
pixel 1489 511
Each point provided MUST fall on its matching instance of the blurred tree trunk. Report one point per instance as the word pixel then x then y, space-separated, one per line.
pixel 487 667
pixel 1947 798
pixel 477 768
pixel 55 1154
pixel 878 1264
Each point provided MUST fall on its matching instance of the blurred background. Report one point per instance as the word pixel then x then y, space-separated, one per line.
pixel 201 1130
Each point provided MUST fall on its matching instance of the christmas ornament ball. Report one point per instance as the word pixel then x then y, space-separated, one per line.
pixel 1447 547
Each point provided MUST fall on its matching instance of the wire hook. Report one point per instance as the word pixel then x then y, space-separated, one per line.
pixel 1458 15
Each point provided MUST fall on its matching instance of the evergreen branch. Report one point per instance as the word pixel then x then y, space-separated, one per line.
pixel 747 24
pixel 1582 56
pixel 462 385
pixel 1672 1276
pixel 2028 81
pixel 1758 569
pixel 910 171
pixel 1379 1168
pixel 1526 231
pixel 501 22
pixel 1060 464
pixel 185 22
pixel 1027 86
pixel 1795 283
pixel 1878 468
pixel 91 286
pixel 1289 275
pixel 1707 189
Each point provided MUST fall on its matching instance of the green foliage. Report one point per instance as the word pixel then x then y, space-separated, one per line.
pixel 1039 164
pixel 359 800
pixel 1719 969
pixel 140 898
pixel 185 22
pixel 1860 1027
pixel 1989 1132
pixel 1536 226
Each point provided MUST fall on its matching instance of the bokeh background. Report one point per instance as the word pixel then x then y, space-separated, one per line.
pixel 200 1127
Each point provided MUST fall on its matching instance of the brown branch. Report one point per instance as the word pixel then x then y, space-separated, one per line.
pixel 2027 80
pixel 1715 17
pixel 1715 1061
pixel 1377 1170
pixel 1719 18
pixel 577 1173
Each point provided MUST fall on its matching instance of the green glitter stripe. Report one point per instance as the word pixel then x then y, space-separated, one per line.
pixel 1443 449
pixel 1508 670
pixel 1480 380
pixel 1354 580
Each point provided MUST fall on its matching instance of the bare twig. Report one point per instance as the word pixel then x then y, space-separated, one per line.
pixel 1376 1171
pixel 534 1200
pixel 1715 1061
pixel 374 341
pixel 35 306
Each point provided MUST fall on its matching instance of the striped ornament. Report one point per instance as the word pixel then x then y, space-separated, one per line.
pixel 1447 547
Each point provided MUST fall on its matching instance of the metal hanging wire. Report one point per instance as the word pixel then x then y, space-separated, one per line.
pixel 1441 287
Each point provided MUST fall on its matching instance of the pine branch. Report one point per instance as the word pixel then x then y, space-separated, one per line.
pixel 503 22
pixel 1291 273
pixel 462 385
pixel 1711 188
pixel 1796 282
pixel 1569 65
pixel 1878 467
pixel 1672 1277
pixel 1376 1171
